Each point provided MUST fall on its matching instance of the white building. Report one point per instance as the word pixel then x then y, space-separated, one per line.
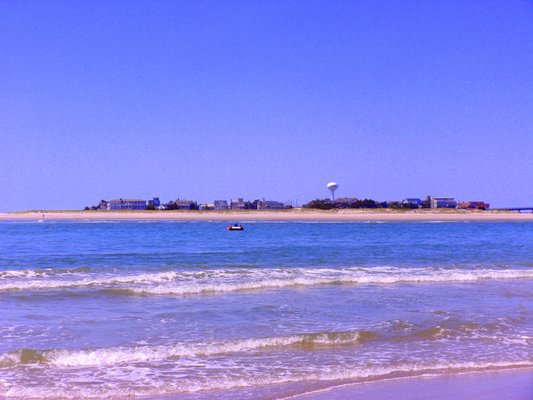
pixel 442 202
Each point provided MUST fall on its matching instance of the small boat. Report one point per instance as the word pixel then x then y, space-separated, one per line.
pixel 235 227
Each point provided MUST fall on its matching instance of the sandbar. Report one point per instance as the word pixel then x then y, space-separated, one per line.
pixel 297 214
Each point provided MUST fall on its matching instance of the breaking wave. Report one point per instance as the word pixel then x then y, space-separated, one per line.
pixel 118 355
pixel 42 273
pixel 239 279
pixel 494 332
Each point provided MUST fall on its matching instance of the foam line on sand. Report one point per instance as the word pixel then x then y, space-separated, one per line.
pixel 516 384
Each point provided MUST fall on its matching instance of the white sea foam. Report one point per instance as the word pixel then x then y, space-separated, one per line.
pixel 448 332
pixel 21 274
pixel 119 355
pixel 237 279
pixel 87 280
pixel 42 273
pixel 143 381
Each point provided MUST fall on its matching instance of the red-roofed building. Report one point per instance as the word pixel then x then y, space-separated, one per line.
pixel 473 205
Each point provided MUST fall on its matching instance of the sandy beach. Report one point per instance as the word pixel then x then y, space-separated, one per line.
pixel 496 385
pixel 266 215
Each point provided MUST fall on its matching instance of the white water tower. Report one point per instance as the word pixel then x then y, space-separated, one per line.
pixel 332 186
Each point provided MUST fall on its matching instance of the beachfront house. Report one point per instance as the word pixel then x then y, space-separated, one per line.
pixel 270 205
pixel 155 203
pixel 442 202
pixel 412 202
pixel 221 205
pixel 238 204
pixel 127 204
pixel 103 205
pixel 181 204
pixel 473 205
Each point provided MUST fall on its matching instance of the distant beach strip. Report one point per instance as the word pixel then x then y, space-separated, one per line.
pixel 269 215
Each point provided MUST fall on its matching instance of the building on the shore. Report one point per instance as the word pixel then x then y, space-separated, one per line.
pixel 473 205
pixel 412 202
pixel 155 203
pixel 442 202
pixel 270 205
pixel 238 204
pixel 127 204
pixel 220 205
pixel 103 205
pixel 182 204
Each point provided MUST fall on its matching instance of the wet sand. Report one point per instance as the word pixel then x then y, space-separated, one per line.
pixel 268 215
pixel 497 385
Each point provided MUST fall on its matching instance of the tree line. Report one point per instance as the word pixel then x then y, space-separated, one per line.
pixel 327 204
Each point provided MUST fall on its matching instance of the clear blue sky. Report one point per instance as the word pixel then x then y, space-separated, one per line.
pixel 213 100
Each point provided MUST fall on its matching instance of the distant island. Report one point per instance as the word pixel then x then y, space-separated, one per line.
pixel 430 208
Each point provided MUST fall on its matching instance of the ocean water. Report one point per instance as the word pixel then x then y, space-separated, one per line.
pixel 188 310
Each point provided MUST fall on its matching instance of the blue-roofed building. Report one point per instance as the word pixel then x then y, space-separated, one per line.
pixel 155 202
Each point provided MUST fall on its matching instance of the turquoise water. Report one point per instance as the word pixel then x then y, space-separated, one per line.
pixel 187 310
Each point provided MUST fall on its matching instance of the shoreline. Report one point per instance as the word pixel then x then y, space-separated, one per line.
pixel 512 384
pixel 271 215
pixel 515 383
